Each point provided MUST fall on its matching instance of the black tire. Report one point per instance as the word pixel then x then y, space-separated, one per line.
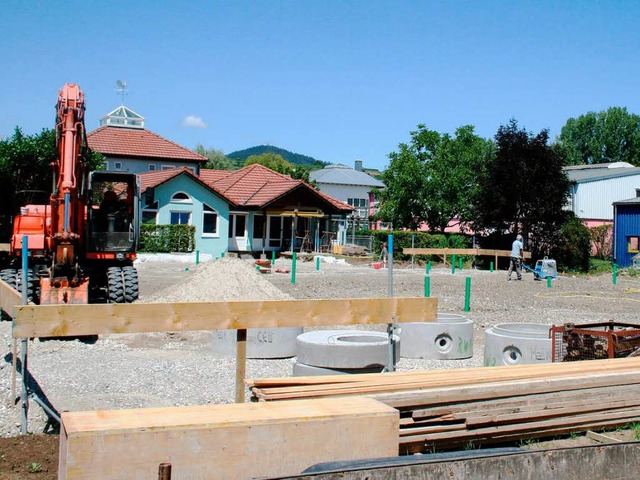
pixel 8 275
pixel 31 290
pixel 131 288
pixel 115 285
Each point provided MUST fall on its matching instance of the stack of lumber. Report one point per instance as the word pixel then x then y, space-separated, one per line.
pixel 445 409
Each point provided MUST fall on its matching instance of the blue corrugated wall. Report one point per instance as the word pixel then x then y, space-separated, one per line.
pixel 627 223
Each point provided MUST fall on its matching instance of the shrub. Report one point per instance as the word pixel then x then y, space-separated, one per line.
pixel 167 238
pixel 574 246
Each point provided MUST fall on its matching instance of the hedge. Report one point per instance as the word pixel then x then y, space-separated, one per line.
pixel 167 238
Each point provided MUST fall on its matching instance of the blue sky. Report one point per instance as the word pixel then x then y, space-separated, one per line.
pixel 335 80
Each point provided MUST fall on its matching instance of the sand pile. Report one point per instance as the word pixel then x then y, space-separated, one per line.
pixel 218 280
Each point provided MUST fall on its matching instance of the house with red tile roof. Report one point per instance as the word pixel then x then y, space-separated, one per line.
pixel 129 147
pixel 253 209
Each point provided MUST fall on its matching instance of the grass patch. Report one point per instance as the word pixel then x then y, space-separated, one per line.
pixel 599 266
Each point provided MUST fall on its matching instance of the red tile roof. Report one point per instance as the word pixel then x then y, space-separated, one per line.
pixel 253 186
pixel 136 142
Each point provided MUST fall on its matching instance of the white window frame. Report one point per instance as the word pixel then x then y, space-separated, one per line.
pixel 188 200
pixel 117 165
pixel 150 210
pixel 181 211
pixel 152 167
pixel 216 234
pixel 168 167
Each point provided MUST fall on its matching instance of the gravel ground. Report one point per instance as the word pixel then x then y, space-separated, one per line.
pixel 130 371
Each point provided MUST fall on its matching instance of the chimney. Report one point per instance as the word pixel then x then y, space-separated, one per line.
pixel 358 165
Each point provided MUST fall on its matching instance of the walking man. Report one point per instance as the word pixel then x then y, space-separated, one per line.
pixel 516 258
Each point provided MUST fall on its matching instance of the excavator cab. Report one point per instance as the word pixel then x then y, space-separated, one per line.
pixel 112 215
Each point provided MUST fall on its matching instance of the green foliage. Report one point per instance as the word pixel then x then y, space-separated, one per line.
pixel 574 246
pixel 33 467
pixel 612 135
pixel 523 189
pixel 167 238
pixel 432 178
pixel 597 266
pixel 217 159
pixel 280 165
pixel 293 158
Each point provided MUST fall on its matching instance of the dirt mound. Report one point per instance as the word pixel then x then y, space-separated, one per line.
pixel 221 279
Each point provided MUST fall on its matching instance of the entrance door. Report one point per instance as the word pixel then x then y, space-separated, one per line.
pixel 275 231
pixel 238 232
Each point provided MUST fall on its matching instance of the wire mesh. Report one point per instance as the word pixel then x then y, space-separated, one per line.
pixel 595 341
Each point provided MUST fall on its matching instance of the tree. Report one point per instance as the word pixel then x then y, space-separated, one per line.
pixel 431 179
pixel 523 189
pixel 278 164
pixel 25 169
pixel 217 159
pixel 611 135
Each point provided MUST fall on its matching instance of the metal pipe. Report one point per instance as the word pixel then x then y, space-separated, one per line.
pixel 53 414
pixel 393 326
pixel 164 471
pixel 24 343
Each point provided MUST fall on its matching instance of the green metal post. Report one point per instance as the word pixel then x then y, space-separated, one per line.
pixel 491 267
pixel 293 269
pixel 197 257
pixel 317 264
pixel 460 264
pixel 273 257
pixel 548 282
pixel 615 274
pixel 258 268
pixel 453 263
pixel 467 295
pixel 429 267
pixel 427 286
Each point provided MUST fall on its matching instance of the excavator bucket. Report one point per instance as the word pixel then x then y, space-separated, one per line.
pixel 62 291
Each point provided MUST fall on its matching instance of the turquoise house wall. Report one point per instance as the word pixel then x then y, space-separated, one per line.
pixel 215 245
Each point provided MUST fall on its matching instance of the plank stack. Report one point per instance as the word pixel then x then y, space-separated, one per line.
pixel 460 408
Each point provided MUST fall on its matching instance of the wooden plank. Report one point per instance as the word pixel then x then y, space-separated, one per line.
pixel 600 438
pixel 491 390
pixel 524 402
pixel 428 385
pixel 9 298
pixel 548 413
pixel 574 421
pixel 234 441
pixel 98 319
pixel 241 363
pixel 434 376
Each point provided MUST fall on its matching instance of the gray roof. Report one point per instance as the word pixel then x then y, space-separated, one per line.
pixel 629 201
pixel 337 174
pixel 592 173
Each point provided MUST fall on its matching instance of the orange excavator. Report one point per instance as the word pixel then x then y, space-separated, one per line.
pixel 82 243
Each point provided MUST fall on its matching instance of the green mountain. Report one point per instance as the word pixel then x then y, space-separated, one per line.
pixel 295 158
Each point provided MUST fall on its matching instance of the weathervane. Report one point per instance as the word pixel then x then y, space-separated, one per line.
pixel 122 89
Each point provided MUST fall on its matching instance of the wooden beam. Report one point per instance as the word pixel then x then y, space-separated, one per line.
pixel 9 298
pixel 241 363
pixel 460 251
pixel 98 319
pixel 235 441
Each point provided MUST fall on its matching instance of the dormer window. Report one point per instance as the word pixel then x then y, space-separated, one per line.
pixel 181 197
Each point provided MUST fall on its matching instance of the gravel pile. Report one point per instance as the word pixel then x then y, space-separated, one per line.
pixel 163 369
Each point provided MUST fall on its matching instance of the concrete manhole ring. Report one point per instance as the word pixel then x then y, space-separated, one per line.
pixel 343 349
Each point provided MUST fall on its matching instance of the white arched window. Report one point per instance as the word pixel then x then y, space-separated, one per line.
pixel 181 197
